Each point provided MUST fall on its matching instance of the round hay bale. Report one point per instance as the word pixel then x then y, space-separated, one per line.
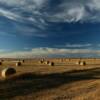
pixel 7 72
pixel 78 62
pixel 61 60
pixel 2 60
pixel 18 64
pixel 51 63
pixel 47 62
pixel 0 63
pixel 23 61
pixel 83 63
pixel 41 62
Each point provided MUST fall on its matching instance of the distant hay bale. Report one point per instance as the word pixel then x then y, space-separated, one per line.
pixel 7 72
pixel 0 63
pixel 69 59
pixel 47 62
pixel 18 64
pixel 23 61
pixel 41 62
pixel 78 62
pixel 61 60
pixel 2 60
pixel 51 64
pixel 83 63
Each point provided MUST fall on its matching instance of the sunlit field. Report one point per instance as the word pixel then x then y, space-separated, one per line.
pixel 65 80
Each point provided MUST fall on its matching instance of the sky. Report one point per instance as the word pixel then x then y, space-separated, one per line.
pixel 49 28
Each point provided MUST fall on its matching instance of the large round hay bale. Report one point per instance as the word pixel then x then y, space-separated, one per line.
pixel 18 64
pixel 51 63
pixel 7 72
pixel 83 63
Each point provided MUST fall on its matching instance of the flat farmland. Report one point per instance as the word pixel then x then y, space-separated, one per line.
pixel 66 80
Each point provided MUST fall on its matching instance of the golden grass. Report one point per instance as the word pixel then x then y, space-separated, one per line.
pixel 64 81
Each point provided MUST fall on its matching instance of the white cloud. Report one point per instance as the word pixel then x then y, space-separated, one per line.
pixel 9 14
pixel 40 2
pixel 76 13
pixel 95 4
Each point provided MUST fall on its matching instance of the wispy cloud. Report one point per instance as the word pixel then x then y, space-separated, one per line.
pixel 68 45
pixel 9 14
pixel 78 45
pixel 35 15
pixel 65 11
pixel 25 14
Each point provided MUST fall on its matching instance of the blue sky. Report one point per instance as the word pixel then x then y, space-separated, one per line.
pixel 51 28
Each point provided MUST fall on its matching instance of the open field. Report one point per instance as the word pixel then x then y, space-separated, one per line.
pixel 66 80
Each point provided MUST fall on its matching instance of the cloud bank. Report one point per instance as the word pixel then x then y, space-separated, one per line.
pixel 50 52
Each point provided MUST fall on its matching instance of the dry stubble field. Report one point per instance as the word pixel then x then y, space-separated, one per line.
pixel 64 81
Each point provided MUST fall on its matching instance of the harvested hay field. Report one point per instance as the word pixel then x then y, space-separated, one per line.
pixel 66 80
